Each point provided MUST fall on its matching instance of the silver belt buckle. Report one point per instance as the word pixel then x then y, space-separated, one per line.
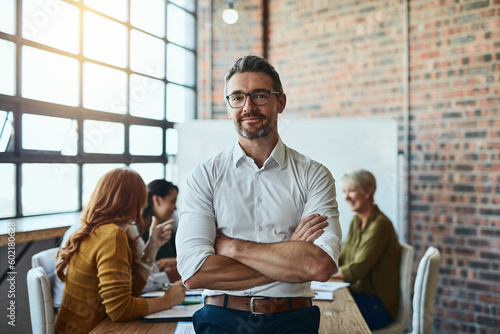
pixel 252 305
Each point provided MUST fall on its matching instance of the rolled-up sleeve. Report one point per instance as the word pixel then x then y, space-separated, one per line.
pixel 322 200
pixel 197 225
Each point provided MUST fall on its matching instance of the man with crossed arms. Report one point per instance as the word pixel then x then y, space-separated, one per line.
pixel 259 221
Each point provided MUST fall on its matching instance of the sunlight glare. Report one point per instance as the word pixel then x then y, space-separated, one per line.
pixel 104 40
pixel 49 77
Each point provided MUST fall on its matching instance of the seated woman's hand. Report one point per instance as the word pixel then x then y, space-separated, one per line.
pixel 169 266
pixel 167 263
pixel 159 234
pixel 175 294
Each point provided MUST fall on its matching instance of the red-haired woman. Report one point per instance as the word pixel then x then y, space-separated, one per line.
pixel 104 275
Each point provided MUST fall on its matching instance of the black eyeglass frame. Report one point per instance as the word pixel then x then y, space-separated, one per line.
pixel 250 94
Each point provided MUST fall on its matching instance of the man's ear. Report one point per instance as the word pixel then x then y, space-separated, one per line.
pixel 282 102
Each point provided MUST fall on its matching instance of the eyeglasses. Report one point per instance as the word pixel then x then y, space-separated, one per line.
pixel 259 98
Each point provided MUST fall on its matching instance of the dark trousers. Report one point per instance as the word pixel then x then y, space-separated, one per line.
pixel 218 320
pixel 373 311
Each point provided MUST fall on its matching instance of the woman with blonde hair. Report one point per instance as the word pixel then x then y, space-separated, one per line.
pixel 104 275
pixel 370 257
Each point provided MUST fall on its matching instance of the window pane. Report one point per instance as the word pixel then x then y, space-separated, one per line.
pixel 103 137
pixel 6 131
pixel 180 27
pixel 49 77
pixel 7 68
pixel 149 172
pixel 147 54
pixel 148 16
pixel 8 17
pixel 171 170
pixel 188 4
pixel 50 134
pixel 147 97
pixel 91 173
pixel 7 190
pixel 180 103
pixel 172 143
pixel 113 8
pixel 53 23
pixel 145 140
pixel 180 65
pixel 104 40
pixel 104 88
pixel 49 188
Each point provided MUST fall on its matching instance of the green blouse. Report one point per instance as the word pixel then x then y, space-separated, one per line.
pixel 370 259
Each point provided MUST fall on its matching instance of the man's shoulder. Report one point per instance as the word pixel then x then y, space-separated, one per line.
pixel 296 155
pixel 217 160
pixel 302 158
pixel 213 166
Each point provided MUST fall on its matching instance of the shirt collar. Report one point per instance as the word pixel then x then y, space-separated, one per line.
pixel 278 154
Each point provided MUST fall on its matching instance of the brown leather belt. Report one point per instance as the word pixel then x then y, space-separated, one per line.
pixel 259 305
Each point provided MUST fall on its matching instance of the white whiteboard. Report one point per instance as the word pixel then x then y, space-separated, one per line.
pixel 341 144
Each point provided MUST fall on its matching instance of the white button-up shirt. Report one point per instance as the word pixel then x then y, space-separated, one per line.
pixel 230 195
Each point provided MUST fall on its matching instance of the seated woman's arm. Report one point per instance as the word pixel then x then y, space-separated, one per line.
pixel 117 285
pixel 372 245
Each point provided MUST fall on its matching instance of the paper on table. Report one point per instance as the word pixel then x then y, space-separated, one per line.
pixel 159 293
pixel 176 313
pixel 323 295
pixel 184 327
pixel 328 286
pixel 153 294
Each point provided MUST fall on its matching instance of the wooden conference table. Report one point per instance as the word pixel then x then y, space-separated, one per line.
pixel 340 316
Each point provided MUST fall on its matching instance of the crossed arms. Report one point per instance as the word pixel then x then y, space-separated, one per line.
pixel 240 264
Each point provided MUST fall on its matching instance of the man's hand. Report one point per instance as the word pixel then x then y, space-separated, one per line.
pixel 310 228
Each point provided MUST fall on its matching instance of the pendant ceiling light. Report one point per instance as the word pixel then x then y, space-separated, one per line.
pixel 230 15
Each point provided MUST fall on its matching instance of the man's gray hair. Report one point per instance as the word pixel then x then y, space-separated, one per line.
pixel 254 64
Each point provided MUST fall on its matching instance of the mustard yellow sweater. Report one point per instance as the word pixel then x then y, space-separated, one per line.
pixel 100 282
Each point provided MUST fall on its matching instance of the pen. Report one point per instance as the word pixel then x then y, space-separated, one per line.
pixel 166 286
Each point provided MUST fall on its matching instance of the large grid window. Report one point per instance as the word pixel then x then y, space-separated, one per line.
pixel 87 86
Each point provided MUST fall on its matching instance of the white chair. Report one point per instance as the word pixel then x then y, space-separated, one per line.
pixel 425 291
pixel 40 301
pixel 47 260
pixel 40 311
pixel 403 316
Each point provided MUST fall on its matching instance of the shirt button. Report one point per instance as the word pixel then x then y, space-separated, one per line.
pixel 260 228
pixel 259 200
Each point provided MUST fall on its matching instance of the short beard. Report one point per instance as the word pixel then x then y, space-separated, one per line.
pixel 260 133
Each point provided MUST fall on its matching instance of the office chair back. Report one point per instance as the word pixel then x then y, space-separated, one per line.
pixel 47 260
pixel 404 309
pixel 40 301
pixel 425 291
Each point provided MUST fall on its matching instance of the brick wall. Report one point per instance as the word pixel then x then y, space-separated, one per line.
pixel 455 169
pixel 218 51
pixel 345 58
